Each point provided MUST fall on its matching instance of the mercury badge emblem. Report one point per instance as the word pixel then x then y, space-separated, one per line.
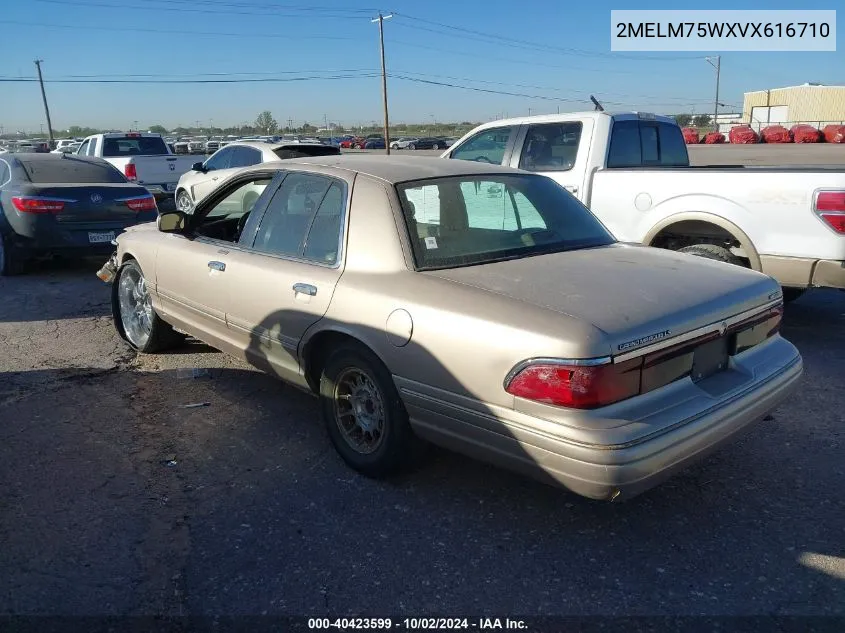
pixel 96 198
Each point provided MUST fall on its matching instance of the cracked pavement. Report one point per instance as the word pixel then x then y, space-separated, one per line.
pixel 115 499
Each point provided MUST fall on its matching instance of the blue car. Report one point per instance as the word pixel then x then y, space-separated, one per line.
pixel 374 143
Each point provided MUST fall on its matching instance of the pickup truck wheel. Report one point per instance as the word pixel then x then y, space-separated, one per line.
pixel 135 318
pixel 712 251
pixel 365 419
pixel 184 202
pixel 11 263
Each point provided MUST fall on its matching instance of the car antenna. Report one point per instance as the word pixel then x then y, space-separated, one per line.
pixel 599 107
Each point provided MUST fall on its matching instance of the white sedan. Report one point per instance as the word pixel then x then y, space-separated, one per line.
pixel 207 175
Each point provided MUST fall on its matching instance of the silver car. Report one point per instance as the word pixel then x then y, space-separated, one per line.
pixel 206 176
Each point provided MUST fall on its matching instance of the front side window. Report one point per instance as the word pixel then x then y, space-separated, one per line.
pixel 551 147
pixel 221 159
pixel 488 146
pixel 83 149
pixel 303 219
pixel 469 220
pixel 225 217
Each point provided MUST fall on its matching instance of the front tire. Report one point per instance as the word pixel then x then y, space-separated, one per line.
pixel 712 251
pixel 184 203
pixel 365 419
pixel 11 263
pixel 134 316
pixel 412 146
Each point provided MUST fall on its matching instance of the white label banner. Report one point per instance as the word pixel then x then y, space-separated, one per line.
pixel 715 31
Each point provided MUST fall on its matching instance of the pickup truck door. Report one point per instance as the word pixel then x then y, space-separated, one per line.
pixel 559 150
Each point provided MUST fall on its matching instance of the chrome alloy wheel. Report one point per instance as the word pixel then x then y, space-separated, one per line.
pixel 359 410
pixel 136 307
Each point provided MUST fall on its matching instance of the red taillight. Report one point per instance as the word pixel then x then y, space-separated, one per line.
pixel 142 204
pixel 830 206
pixel 130 172
pixel 577 386
pixel 37 205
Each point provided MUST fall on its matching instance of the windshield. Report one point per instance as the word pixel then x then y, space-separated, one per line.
pixel 466 220
pixel 134 146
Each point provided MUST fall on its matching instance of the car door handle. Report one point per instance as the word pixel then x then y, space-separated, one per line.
pixel 571 188
pixel 217 266
pixel 215 177
pixel 306 289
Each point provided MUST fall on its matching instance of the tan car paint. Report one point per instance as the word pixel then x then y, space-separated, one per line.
pixel 469 327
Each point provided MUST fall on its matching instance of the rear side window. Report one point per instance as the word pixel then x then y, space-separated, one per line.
pixel 551 147
pixel 71 170
pixel 306 151
pixel 644 143
pixel 134 146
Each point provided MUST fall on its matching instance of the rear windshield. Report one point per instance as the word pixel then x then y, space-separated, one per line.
pixel 303 151
pixel 134 146
pixel 635 143
pixel 466 220
pixel 70 170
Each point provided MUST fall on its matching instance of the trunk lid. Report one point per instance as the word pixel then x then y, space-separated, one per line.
pixel 635 295
pixel 93 202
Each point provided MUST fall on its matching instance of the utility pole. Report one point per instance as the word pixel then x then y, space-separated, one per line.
pixel 718 67
pixel 380 19
pixel 44 97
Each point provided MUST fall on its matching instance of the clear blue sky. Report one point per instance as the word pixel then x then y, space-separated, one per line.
pixel 189 39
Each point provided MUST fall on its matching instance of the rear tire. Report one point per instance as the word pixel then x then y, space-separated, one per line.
pixel 135 318
pixel 365 419
pixel 412 146
pixel 712 251
pixel 11 263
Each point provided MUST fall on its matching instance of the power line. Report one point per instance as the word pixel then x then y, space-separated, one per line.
pixel 220 74
pixel 194 81
pixel 505 40
pixel 337 15
pixel 180 31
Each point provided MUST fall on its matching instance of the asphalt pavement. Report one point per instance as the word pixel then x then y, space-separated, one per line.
pixel 118 497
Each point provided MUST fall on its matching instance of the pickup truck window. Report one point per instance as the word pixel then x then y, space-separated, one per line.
pixel 488 146
pixel 551 147
pixel 83 149
pixel 492 218
pixel 92 149
pixel 644 143
pixel 134 146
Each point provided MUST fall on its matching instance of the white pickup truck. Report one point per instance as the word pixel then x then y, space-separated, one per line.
pixel 632 170
pixel 142 157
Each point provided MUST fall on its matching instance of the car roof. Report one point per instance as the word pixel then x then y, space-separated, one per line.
pixel 396 169
pixel 270 145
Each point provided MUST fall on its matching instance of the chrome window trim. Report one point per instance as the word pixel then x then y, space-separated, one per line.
pixel 696 333
pixel 540 360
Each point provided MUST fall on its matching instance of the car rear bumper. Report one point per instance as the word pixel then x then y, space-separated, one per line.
pixel 610 471
pixel 77 237
pixel 799 272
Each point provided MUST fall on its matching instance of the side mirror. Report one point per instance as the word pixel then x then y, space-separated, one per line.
pixel 199 167
pixel 172 222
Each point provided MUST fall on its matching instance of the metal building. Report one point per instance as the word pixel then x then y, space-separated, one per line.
pixel 811 103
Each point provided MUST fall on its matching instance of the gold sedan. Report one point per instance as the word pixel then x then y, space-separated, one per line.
pixel 474 306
